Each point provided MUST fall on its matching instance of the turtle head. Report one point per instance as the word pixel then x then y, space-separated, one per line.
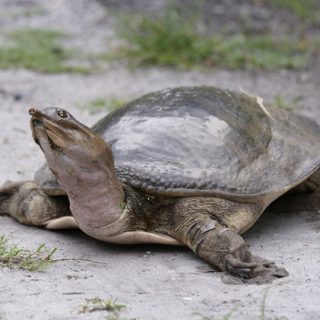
pixel 63 139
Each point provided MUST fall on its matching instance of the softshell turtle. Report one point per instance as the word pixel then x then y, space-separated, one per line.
pixel 192 166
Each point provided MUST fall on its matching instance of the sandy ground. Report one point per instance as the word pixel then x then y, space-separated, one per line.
pixel 154 282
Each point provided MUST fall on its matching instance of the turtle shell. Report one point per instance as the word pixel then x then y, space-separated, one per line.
pixel 207 141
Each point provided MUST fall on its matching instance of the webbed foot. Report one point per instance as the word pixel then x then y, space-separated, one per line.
pixel 238 260
pixel 249 268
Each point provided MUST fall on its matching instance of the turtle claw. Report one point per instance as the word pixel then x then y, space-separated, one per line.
pixel 242 264
pixel 238 267
pixel 239 260
pixel 266 272
pixel 258 271
pixel 261 271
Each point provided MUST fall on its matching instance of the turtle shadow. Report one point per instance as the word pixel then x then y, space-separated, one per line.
pixel 291 203
pixel 289 211
pixel 279 215
pixel 79 236
pixel 306 206
pixel 141 249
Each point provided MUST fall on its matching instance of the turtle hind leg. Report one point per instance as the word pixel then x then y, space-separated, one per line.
pixel 219 243
pixel 28 204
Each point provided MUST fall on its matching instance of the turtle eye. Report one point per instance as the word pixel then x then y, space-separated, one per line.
pixel 62 113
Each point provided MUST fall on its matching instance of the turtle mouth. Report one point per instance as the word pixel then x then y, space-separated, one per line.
pixel 53 145
pixel 40 139
pixel 36 123
pixel 40 132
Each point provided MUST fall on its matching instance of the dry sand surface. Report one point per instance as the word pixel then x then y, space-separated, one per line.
pixel 154 282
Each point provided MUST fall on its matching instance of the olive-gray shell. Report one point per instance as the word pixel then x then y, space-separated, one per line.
pixel 202 140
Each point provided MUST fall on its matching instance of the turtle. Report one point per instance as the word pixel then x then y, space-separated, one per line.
pixel 192 166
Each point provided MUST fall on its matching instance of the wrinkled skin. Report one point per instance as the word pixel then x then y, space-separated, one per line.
pixel 113 211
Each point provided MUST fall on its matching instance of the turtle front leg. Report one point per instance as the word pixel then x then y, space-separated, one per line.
pixel 27 203
pixel 220 246
pixel 210 227
pixel 225 250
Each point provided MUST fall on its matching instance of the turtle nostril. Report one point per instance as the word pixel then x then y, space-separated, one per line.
pixel 32 111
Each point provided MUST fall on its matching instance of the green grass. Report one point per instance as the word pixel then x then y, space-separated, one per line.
pixel 95 105
pixel 304 9
pixel 280 102
pixel 169 40
pixel 262 315
pixel 98 304
pixel 38 50
pixel 15 257
pixel 259 52
pixel 166 40
pixel 100 104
